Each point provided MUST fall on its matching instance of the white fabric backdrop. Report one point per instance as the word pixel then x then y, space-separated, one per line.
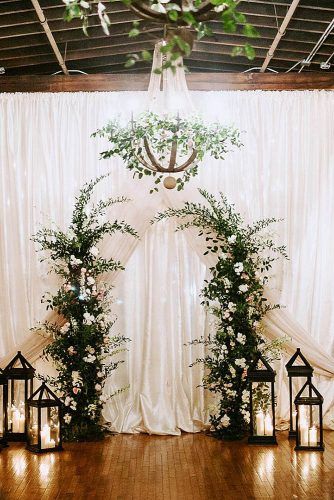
pixel 284 170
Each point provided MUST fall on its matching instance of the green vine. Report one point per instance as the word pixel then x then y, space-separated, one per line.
pixel 235 295
pixel 82 344
pixel 160 132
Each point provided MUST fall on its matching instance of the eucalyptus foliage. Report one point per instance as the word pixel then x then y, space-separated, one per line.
pixel 235 295
pixel 175 13
pixel 82 342
pixel 160 132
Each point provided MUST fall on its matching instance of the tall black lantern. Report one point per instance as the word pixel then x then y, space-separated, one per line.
pixel 20 375
pixel 297 366
pixel 261 379
pixel 309 429
pixel 44 421
pixel 3 399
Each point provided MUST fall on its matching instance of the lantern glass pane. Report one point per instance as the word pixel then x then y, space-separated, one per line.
pixel 308 425
pixel 16 406
pixel 16 393
pixel 33 426
pixel 49 428
pixel 262 409
pixel 1 412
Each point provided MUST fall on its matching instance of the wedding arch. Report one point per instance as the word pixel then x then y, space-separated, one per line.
pixel 242 179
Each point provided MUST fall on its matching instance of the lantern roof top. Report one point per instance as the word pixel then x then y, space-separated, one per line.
pixel 299 370
pixel 264 372
pixel 44 395
pixel 312 398
pixel 19 364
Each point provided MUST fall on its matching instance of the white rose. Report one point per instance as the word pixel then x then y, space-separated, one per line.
pixel 98 387
pixel 65 328
pixel 90 280
pixel 243 288
pixel 232 239
pixel 225 421
pixel 241 362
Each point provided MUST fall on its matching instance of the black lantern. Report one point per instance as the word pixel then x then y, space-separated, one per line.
pixel 261 379
pixel 20 375
pixel 297 366
pixel 44 421
pixel 3 399
pixel 309 430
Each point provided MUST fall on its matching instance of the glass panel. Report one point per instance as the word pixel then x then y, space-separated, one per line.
pixel 48 431
pixel 33 427
pixel 308 425
pixel 262 410
pixel 16 406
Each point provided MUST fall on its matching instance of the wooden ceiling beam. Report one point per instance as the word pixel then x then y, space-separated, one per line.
pixel 196 81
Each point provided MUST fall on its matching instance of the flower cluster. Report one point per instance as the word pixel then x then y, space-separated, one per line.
pixel 81 341
pixel 191 135
pixel 234 294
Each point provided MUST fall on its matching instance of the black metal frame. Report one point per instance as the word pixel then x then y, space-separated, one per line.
pixel 26 373
pixel 310 400
pixel 4 388
pixel 257 375
pixel 46 399
pixel 294 371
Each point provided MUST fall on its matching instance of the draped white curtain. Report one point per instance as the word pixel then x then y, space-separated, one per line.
pixel 283 170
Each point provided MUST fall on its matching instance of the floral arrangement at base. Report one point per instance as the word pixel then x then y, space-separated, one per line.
pixel 146 145
pixel 234 294
pixel 82 345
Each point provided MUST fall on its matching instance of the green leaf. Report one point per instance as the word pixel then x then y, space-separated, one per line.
pixel 146 55
pixel 249 51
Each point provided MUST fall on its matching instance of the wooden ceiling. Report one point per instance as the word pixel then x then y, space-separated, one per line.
pixel 25 49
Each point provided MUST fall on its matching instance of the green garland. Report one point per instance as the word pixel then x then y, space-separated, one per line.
pixel 160 131
pixel 81 348
pixel 235 295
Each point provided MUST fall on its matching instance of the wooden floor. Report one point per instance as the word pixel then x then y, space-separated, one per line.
pixel 192 466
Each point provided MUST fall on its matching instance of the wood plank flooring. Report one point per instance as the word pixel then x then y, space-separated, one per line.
pixel 192 466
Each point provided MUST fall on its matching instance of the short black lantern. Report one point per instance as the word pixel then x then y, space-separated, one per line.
pixel 261 379
pixel 309 428
pixel 297 366
pixel 20 375
pixel 3 399
pixel 44 421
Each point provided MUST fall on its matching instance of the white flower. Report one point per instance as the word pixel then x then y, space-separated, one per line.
pixel 98 387
pixel 73 405
pixel 68 400
pixel 238 267
pixel 89 359
pixel 65 328
pixel 246 416
pixel 241 338
pixel 94 251
pixel 241 362
pixel 232 239
pixel 74 261
pixel 232 370
pixel 232 306
pixel 243 288
pixel 245 396
pixel 225 421
pixel 90 280
pixel 88 318
pixel 67 418
pixel 226 314
pixel 99 374
pixel 90 349
pixel 103 398
pixel 229 330
pixel 224 348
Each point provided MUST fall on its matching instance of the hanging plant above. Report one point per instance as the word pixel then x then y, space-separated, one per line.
pixel 161 146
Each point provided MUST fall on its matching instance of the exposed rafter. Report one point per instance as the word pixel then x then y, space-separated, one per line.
pixel 44 23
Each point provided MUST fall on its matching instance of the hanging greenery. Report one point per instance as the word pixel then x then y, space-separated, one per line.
pixel 82 347
pixel 235 295
pixel 174 14
pixel 146 145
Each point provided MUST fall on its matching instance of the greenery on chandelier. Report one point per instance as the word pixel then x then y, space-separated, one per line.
pixel 190 134
pixel 234 293
pixel 82 344
pixel 172 13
